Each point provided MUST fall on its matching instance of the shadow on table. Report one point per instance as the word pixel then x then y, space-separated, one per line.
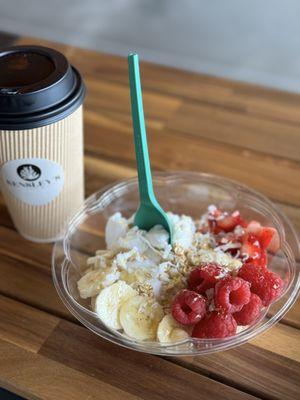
pixel 5 395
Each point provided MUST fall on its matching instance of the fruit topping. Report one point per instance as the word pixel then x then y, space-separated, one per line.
pixel 232 294
pixel 188 307
pixel 215 325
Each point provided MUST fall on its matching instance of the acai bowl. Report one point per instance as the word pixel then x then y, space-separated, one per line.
pixel 229 274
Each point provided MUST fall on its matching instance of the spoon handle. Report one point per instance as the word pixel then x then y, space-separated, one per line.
pixel 140 136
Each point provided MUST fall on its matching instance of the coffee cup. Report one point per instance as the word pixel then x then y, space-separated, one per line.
pixel 41 140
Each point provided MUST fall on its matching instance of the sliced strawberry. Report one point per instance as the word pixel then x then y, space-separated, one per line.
pixel 228 222
pixel 274 243
pixel 243 223
pixel 254 227
pixel 253 252
pixel 228 237
pixel 267 236
pixel 251 249
pixel 229 242
pixel 220 221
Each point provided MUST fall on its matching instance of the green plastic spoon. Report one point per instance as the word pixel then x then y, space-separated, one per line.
pixel 149 212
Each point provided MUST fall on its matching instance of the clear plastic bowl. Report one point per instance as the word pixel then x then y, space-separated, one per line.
pixel 182 193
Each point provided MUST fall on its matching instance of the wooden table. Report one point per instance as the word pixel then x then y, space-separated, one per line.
pixel 195 122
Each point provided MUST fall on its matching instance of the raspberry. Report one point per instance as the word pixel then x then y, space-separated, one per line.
pixel 252 273
pixel 250 312
pixel 215 325
pixel 271 289
pixel 232 294
pixel 263 261
pixel 204 277
pixel 266 284
pixel 188 307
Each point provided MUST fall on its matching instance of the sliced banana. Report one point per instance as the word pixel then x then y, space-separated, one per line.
pixel 170 331
pixel 90 284
pixel 109 301
pixel 127 277
pixel 140 316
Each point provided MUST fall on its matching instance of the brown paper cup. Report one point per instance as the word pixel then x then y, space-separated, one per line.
pixel 42 176
pixel 41 140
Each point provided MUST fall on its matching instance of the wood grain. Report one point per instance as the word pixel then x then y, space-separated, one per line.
pixel 270 375
pixel 274 177
pixel 143 375
pixel 252 109
pixel 283 340
pixel 138 375
pixel 285 388
pixel 238 129
pixel 115 97
pixel 24 326
pixel 30 284
pixel 39 378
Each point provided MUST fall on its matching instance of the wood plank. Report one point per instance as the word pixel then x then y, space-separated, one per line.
pixel 105 95
pixel 292 318
pixel 281 339
pixel 78 343
pixel 256 370
pixel 143 376
pixel 24 326
pixel 36 255
pixel 220 94
pixel 31 284
pixel 100 172
pixel 177 82
pixel 272 376
pixel 107 170
pixel 276 178
pixel 238 129
pixel 38 378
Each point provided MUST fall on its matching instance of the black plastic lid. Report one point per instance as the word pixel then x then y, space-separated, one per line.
pixel 38 86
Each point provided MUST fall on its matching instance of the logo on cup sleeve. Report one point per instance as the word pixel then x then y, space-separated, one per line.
pixel 35 181
pixel 29 172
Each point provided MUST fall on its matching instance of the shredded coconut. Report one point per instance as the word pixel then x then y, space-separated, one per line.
pixel 147 262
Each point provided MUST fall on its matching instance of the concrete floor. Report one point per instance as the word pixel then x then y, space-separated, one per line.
pixel 250 40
